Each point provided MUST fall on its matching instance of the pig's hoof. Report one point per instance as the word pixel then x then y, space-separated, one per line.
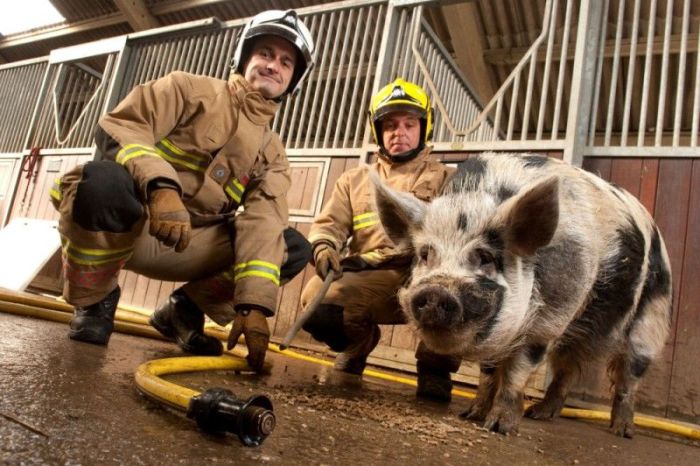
pixel 543 410
pixel 503 424
pixel 475 412
pixel 623 429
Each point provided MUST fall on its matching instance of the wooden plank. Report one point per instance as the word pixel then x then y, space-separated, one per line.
pixel 627 173
pixel 650 177
pixel 671 214
pixel 140 288
pixel 684 397
pixel 598 166
pixel 336 168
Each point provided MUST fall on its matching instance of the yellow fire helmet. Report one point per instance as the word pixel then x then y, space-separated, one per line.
pixel 401 96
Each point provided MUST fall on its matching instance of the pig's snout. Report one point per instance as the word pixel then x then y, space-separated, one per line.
pixel 435 307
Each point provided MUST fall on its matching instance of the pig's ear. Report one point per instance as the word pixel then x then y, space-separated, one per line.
pixel 533 217
pixel 399 212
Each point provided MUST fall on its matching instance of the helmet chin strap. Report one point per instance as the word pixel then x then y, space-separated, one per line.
pixel 403 156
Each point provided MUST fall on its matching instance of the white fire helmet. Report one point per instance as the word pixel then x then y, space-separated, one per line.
pixel 281 23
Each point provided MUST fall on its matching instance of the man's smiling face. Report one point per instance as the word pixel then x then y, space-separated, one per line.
pixel 270 66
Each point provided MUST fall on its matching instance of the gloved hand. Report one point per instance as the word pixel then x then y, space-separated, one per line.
pixel 169 220
pixel 327 258
pixel 253 325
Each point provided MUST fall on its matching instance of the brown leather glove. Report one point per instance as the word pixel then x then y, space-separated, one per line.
pixel 253 325
pixel 327 258
pixel 170 221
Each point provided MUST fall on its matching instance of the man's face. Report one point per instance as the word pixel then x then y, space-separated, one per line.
pixel 270 66
pixel 400 132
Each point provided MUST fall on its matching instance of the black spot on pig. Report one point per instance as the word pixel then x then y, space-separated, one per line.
pixel 535 353
pixel 481 301
pixel 557 260
pixel 462 222
pixel 535 161
pixel 469 175
pixel 658 279
pixel 612 294
pixel 505 193
pixel 639 365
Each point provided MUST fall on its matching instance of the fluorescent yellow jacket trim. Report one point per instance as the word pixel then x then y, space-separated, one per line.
pixel 173 154
pixel 235 190
pixel 95 256
pixel 364 220
pixel 257 268
pixel 131 151
pixel 55 191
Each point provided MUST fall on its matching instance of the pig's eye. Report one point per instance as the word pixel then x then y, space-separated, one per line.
pixel 487 262
pixel 423 253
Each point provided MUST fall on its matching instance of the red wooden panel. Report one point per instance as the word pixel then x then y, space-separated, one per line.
pixel 627 173
pixel 684 400
pixel 671 214
pixel 650 176
pixel 598 166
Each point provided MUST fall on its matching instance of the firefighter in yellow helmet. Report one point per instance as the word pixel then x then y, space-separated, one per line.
pixel 349 241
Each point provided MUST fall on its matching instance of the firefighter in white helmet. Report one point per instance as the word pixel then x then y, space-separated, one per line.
pixel 372 269
pixel 179 156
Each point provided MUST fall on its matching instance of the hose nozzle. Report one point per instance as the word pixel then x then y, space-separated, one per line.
pixel 217 410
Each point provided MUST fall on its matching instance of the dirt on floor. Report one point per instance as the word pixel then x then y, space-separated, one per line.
pixel 68 403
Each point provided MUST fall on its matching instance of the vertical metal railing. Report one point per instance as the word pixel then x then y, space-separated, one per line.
pixel 650 64
pixel 20 87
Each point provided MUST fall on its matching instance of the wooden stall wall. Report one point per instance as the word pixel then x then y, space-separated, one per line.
pixel 670 189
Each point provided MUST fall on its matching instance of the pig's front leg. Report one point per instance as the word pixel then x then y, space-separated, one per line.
pixel 507 410
pixel 481 405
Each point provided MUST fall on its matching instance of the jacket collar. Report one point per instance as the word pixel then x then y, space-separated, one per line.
pixel 254 106
pixel 389 165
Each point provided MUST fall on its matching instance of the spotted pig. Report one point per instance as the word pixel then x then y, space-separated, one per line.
pixel 524 258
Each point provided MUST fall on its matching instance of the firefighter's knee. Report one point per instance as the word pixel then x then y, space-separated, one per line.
pixel 106 198
pixel 326 325
pixel 298 254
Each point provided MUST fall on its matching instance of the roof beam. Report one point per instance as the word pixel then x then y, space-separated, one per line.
pixel 137 14
pixel 468 45
pixel 511 56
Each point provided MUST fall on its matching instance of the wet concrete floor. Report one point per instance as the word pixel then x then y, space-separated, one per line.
pixel 69 403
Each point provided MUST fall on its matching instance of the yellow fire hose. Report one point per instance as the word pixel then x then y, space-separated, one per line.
pixel 135 321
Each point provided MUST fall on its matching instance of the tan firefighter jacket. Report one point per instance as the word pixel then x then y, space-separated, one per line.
pixel 212 139
pixel 350 211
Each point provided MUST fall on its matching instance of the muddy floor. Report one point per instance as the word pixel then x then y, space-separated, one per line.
pixel 70 403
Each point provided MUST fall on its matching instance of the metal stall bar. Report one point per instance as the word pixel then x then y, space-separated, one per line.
pixel 629 85
pixel 696 99
pixel 588 32
pixel 614 76
pixel 20 91
pixel 329 83
pixel 354 100
pixel 648 60
pixel 562 69
pixel 333 116
pixel 664 75
pixel 512 82
pixel 680 84
pixel 547 69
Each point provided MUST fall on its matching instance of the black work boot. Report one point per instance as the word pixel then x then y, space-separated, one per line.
pixel 181 321
pixel 354 361
pixel 434 384
pixel 94 323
